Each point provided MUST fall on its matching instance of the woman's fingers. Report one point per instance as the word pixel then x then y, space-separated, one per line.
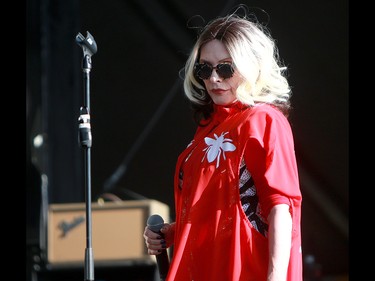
pixel 154 242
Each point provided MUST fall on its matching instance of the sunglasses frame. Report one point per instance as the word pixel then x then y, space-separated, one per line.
pixel 219 68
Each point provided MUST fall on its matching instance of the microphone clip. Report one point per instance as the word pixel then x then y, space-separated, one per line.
pixel 88 44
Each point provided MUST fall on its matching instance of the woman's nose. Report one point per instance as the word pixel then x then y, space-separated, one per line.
pixel 214 76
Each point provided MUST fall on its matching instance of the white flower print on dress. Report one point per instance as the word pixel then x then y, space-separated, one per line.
pixel 217 147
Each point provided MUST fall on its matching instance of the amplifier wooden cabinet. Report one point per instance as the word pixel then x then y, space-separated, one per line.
pixel 117 231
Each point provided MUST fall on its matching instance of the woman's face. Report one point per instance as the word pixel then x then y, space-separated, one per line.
pixel 222 91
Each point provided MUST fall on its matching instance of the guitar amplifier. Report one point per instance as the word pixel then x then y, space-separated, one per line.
pixel 117 231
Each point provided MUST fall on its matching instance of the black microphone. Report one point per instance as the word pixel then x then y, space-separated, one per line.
pixel 155 223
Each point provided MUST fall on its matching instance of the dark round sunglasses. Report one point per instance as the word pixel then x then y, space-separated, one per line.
pixel 204 70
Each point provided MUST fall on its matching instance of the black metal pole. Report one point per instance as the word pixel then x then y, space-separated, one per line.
pixel 89 47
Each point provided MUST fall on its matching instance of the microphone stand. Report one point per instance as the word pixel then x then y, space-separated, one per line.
pixel 89 48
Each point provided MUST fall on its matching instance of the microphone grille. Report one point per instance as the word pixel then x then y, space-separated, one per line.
pixel 155 223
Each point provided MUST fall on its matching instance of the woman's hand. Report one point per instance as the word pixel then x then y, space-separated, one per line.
pixel 155 243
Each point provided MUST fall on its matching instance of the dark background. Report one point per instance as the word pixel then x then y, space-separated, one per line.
pixel 141 120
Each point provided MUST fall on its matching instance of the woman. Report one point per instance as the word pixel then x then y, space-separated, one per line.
pixel 237 194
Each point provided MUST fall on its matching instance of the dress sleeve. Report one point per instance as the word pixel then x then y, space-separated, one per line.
pixel 270 158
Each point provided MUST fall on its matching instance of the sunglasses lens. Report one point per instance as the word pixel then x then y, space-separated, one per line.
pixel 225 70
pixel 204 70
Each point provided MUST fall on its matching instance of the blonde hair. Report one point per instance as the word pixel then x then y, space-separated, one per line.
pixel 255 57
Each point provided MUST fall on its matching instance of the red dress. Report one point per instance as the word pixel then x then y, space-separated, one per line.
pixel 220 235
